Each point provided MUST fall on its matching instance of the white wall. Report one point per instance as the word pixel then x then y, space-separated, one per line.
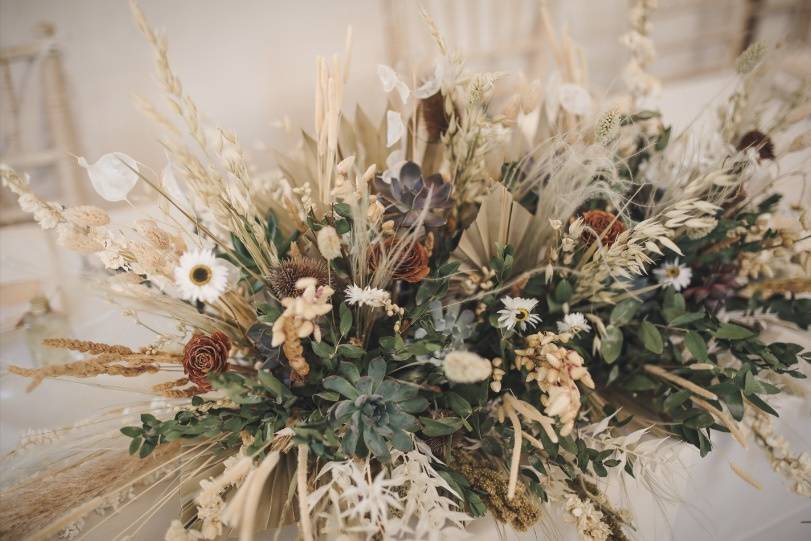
pixel 250 62
pixel 245 63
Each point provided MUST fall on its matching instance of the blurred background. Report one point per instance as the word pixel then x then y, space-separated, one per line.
pixel 74 72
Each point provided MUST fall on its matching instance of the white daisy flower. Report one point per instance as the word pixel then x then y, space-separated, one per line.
pixel 201 276
pixel 366 296
pixel 517 313
pixel 574 322
pixel 675 275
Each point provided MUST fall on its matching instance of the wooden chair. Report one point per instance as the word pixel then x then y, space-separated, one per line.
pixel 23 67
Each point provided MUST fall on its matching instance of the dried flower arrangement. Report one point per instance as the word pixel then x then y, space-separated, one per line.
pixel 463 308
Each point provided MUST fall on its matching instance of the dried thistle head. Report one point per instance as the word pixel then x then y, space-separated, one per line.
pixel 283 277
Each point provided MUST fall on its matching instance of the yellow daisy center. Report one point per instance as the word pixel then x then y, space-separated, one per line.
pixel 200 275
pixel 673 272
pixel 521 314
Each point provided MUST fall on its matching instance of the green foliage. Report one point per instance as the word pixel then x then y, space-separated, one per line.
pixel 260 418
pixel 377 411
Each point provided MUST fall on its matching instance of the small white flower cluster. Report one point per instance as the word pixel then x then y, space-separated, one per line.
pixel 34 437
pixel 366 296
pixel 795 467
pixel 569 240
pixel 557 371
pixel 640 45
pixel 47 214
pixel 587 518
pixel 498 374
pixel 210 504
pixel 466 367
pixel 177 532
pixel 479 281
pixel 372 297
pixel 574 323
pixel 73 531
pixel 782 254
pixel 305 197
pixel 407 499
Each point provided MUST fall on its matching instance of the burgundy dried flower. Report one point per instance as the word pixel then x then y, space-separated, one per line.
pixel 716 286
pixel 412 266
pixel 607 226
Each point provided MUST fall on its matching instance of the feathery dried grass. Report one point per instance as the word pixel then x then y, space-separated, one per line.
pixel 106 359
pixel 223 184
pixel 35 508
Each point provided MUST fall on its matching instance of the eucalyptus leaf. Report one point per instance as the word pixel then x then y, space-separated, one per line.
pixel 675 400
pixel 639 382
pixel 350 351
pixel 624 312
pixel 459 405
pixel 730 394
pixel 730 331
pixel 346 319
pixel 440 427
pixel 611 344
pixel 563 291
pixel 696 346
pixel 651 338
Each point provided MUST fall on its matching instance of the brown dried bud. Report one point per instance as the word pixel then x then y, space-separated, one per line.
pixel 607 226
pixel 412 263
pixel 205 355
pixel 759 141
pixel 435 117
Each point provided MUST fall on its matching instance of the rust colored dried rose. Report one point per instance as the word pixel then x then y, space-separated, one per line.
pixel 412 266
pixel 204 355
pixel 605 224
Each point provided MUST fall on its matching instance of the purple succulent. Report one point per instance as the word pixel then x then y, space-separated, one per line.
pixel 409 193
pixel 716 287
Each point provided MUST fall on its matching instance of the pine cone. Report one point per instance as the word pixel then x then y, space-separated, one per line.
pixel 204 355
